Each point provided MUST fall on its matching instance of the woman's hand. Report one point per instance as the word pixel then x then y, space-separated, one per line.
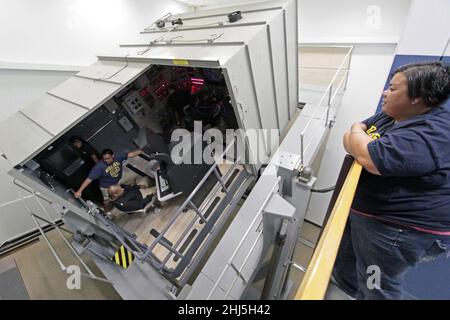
pixel 358 126
pixel 355 143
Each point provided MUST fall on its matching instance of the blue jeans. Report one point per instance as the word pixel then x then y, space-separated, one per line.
pixel 374 257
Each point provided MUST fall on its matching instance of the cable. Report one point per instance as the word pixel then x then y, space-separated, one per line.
pixel 161 38
pixel 214 37
pixel 115 73
pixel 140 53
pixel 219 24
pixel 324 190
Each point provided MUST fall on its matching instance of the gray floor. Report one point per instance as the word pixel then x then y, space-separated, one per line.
pixel 44 280
pixel 309 236
pixel 12 286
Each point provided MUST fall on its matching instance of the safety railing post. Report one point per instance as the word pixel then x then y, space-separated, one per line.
pixel 216 172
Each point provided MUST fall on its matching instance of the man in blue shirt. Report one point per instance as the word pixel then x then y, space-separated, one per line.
pixel 108 171
pixel 400 214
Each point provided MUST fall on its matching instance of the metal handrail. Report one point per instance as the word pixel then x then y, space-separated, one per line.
pixel 90 274
pixel 315 281
pixel 327 92
pixel 334 96
pixel 82 201
pixel 194 219
pixel 241 242
pixel 244 263
pixel 187 201
pixel 121 235
pixel 44 236
pixel 322 46
pixel 326 112
pixel 178 212
pixel 37 194
pixel 325 68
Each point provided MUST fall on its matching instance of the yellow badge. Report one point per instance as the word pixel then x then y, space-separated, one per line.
pixel 180 62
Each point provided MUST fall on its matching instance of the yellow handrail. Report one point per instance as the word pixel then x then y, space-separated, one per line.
pixel 315 282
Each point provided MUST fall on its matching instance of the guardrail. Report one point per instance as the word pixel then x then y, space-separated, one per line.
pixel 331 96
pixel 316 279
pixel 36 218
pixel 230 262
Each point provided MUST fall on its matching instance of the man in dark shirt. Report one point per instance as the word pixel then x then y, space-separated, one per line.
pixel 177 101
pixel 205 107
pixel 226 110
pixel 129 198
pixel 108 171
pixel 400 214
pixel 85 150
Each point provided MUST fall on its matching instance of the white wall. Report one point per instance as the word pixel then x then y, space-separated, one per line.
pixel 72 32
pixel 369 68
pixel 343 21
pixel 351 21
pixel 42 44
pixel 427 31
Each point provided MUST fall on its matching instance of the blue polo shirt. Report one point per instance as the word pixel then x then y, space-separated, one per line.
pixel 107 175
pixel 413 157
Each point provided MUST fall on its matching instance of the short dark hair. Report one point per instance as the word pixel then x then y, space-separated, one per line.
pixel 219 94
pixel 427 80
pixel 107 151
pixel 73 139
pixel 203 93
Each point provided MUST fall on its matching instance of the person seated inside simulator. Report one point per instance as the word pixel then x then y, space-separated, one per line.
pixel 226 110
pixel 85 150
pixel 177 101
pixel 108 172
pixel 204 108
pixel 129 198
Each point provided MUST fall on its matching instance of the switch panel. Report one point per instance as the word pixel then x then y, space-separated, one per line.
pixel 126 124
pixel 134 102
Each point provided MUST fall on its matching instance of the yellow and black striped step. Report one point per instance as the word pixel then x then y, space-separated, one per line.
pixel 123 257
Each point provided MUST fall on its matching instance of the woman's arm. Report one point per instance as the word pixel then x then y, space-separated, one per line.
pixel 355 142
pixel 346 142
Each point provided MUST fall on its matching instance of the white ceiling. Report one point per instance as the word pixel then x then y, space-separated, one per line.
pixel 201 3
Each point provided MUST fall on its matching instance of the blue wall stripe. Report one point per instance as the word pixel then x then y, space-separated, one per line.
pixel 402 59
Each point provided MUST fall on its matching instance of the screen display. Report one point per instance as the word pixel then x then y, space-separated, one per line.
pixel 62 157
pixel 213 75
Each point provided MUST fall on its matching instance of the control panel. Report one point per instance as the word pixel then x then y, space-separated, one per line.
pixel 134 102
